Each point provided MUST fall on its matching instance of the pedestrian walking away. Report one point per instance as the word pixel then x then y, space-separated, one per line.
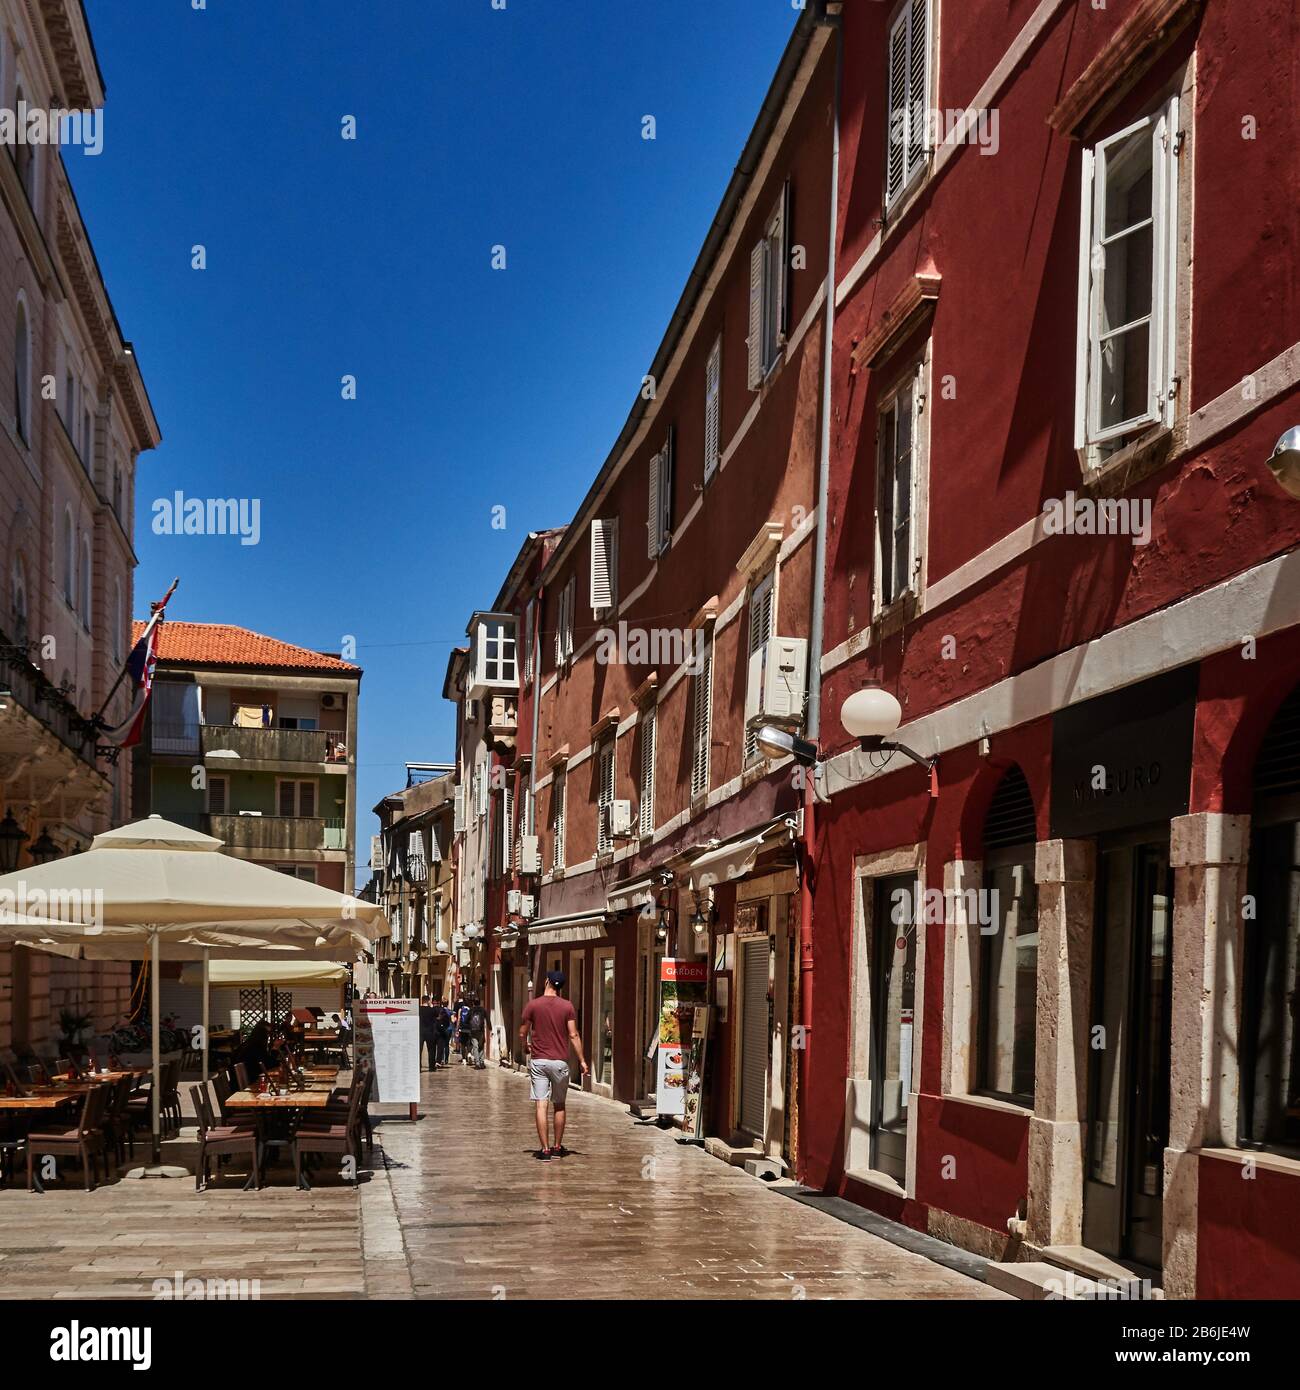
pixel 462 1031
pixel 549 1029
pixel 477 1034
pixel 429 1031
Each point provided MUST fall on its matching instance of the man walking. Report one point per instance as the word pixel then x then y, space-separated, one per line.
pixel 442 1054
pixel 429 1031
pixel 554 1029
pixel 477 1033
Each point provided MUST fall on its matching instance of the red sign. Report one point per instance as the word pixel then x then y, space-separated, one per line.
pixel 688 971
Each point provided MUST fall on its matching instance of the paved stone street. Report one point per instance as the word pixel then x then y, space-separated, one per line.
pixel 457 1207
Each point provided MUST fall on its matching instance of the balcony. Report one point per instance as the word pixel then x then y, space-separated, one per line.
pixel 279 834
pixel 270 745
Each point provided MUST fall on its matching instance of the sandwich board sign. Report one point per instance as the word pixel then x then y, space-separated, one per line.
pixel 389 1031
pixel 683 987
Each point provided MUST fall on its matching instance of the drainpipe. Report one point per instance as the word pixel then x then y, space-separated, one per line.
pixel 813 720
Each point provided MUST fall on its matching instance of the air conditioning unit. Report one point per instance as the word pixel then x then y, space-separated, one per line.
pixel 778 673
pixel 527 906
pixel 620 820
pixel 329 701
pixel 512 900
pixel 530 855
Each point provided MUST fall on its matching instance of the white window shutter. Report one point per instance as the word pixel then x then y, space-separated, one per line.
pixel 652 509
pixel 898 135
pixel 458 821
pixel 701 722
pixel 603 534
pixel 559 629
pixel 756 258
pixel 918 71
pixel 507 808
pixel 781 279
pixel 1083 349
pixel 713 409
pixel 646 810
pixel 667 458
pixel 569 609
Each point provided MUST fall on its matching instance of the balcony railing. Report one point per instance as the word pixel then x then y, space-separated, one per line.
pixel 262 745
pixel 43 700
pixel 291 833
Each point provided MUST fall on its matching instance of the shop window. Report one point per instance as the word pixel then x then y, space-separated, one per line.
pixel 1009 952
pixel 1270 1051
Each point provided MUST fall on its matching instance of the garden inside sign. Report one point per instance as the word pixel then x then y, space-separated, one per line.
pixel 683 988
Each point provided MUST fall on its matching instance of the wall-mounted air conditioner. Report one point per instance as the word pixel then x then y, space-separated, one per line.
pixel 512 900
pixel 778 672
pixel 530 855
pixel 527 906
pixel 620 820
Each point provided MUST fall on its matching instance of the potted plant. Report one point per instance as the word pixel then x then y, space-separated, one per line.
pixel 131 1043
pixel 72 1026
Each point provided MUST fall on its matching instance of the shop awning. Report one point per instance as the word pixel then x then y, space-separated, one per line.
pixel 249 974
pixel 579 926
pixel 727 862
pixel 635 893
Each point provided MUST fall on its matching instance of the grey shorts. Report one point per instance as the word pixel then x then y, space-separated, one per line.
pixel 550 1081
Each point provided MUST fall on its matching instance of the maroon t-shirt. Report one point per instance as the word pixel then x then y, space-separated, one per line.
pixel 549 1015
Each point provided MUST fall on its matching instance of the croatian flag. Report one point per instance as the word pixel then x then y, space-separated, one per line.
pixel 140 667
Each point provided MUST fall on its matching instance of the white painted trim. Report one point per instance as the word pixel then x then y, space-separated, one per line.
pixel 1272 381
pixel 949 149
pixel 1257 602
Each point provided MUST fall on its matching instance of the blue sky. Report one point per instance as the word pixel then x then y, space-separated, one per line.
pixel 476 388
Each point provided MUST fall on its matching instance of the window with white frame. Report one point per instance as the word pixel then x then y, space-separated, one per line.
pixel 18 599
pixel 908 86
pixel 769 298
pixel 557 820
pixel 646 807
pixel 604 564
pixel 702 724
pixel 1125 377
pixel 69 558
pixel 604 795
pixel 23 372
pixel 564 623
pixel 528 640
pixel 498 661
pixel 897 492
pixel 659 512
pixel 760 630
pixel 713 409
pixel 83 593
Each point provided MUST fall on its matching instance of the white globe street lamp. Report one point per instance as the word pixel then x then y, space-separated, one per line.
pixel 870 715
pixel 1285 461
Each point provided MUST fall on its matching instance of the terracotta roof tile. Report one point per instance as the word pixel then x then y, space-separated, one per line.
pixel 223 644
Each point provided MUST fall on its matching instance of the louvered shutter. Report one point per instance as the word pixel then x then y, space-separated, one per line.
pixel 652 509
pixel 458 812
pixel 712 409
pixel 756 259
pixel 898 135
pixel 760 630
pixel 701 719
pixel 571 595
pixel 646 810
pixel 507 827
pixel 666 471
pixel 306 798
pixel 917 80
pixel 602 570
pixel 781 275
pixel 217 796
pixel 559 629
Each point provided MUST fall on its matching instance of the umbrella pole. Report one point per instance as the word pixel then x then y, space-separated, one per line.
pixel 154 1015
pixel 206 954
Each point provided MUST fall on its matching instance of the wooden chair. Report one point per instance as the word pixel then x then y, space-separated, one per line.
pixel 85 1140
pixel 241 1077
pixel 339 1139
pixel 217 1141
pixel 37 1074
pixel 171 1094
pixel 118 1128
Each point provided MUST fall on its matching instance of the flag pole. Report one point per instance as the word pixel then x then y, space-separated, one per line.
pixel 156 616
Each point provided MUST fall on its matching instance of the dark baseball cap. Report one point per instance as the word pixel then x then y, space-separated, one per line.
pixel 555 978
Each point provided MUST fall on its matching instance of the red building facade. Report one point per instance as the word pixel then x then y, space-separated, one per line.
pixel 1056 1000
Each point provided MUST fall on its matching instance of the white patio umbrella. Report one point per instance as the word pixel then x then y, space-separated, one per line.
pixel 161 889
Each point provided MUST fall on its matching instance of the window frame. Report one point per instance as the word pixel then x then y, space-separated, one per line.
pixel 713 409
pixel 912 172
pixel 559 790
pixel 914 379
pixel 1013 856
pixel 702 726
pixel 646 791
pixel 763 590
pixel 606 760
pixel 1091 437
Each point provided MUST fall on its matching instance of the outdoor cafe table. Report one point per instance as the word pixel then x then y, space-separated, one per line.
pixel 315 1097
pixel 39 1102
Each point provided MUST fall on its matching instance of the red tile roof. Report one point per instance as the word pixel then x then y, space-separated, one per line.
pixel 223 644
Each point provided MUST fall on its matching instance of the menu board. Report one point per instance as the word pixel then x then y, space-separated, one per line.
pixel 683 988
pixel 388 1031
